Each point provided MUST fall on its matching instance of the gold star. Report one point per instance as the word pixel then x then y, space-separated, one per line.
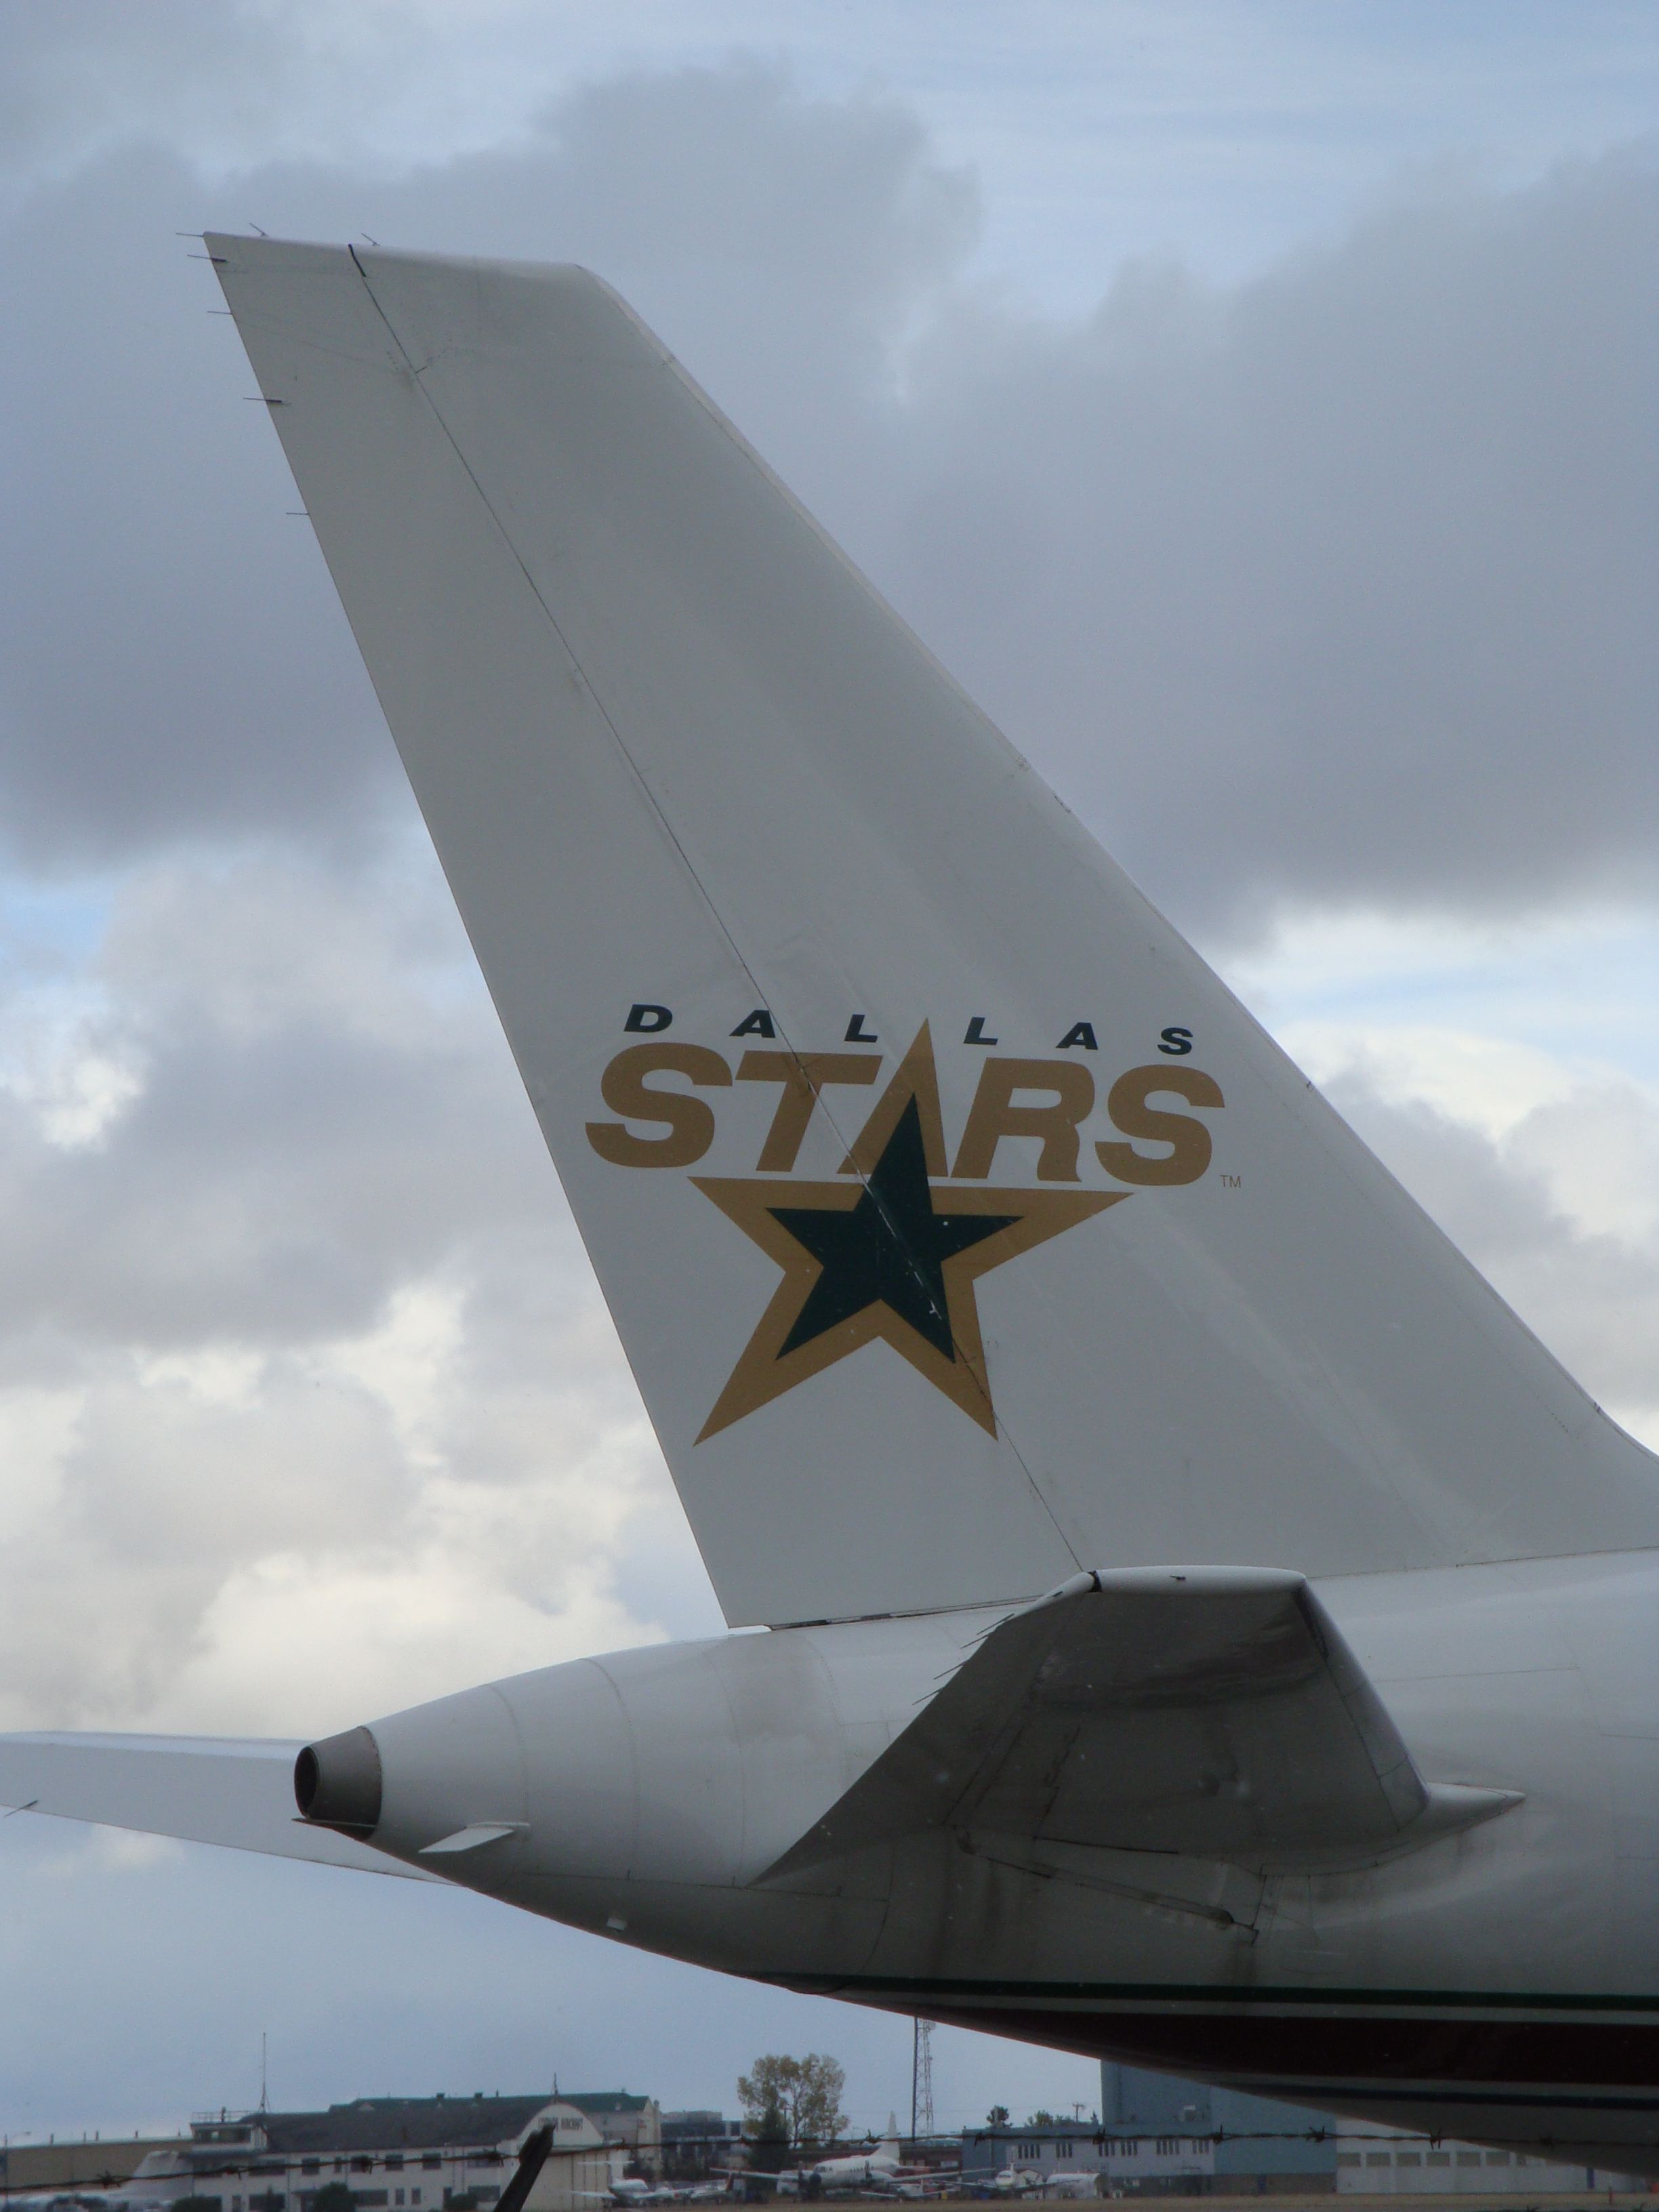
pixel 892 1256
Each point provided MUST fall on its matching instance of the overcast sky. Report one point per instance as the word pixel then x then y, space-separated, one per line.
pixel 1256 407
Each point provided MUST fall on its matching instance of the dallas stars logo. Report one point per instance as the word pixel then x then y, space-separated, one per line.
pixel 891 1249
pixel 889 1259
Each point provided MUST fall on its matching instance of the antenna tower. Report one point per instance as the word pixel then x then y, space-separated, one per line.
pixel 922 2080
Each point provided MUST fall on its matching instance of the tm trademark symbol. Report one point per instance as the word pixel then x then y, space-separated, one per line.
pixel 1232 1182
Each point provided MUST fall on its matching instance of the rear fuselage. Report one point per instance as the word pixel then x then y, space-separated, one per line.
pixel 1501 1982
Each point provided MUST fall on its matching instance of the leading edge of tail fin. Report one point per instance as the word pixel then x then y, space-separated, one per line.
pixel 959 1225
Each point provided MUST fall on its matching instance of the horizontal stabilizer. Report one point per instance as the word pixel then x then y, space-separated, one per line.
pixel 1215 1711
pixel 201 1790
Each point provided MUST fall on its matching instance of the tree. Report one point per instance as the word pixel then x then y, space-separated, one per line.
pixel 1043 2120
pixel 768 2124
pixel 333 2196
pixel 997 2116
pixel 792 2104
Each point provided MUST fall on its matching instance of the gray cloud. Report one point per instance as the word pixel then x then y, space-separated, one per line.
pixel 1336 588
pixel 175 663
pixel 1349 597
pixel 298 1350
pixel 321 1106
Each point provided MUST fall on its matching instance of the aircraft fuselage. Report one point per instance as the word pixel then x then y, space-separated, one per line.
pixel 645 1794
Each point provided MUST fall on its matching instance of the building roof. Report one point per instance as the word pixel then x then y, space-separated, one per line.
pixel 591 2101
pixel 403 2123
pixel 1050 2130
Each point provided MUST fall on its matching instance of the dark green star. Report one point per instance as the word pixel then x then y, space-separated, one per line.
pixel 889 1249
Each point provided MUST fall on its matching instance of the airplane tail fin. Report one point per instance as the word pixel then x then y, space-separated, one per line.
pixel 961 1230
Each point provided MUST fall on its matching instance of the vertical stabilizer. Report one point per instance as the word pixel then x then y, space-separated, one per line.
pixel 961 1228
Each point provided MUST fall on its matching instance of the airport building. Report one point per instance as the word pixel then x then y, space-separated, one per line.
pixel 696 2144
pixel 1378 2161
pixel 1169 2163
pixel 633 2122
pixel 1160 2135
pixel 1226 2142
pixel 394 2154
pixel 53 2169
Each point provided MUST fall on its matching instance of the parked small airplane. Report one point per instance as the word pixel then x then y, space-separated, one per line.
pixel 94 2200
pixel 1032 2181
pixel 877 2172
pixel 630 2189
pixel 1205 1627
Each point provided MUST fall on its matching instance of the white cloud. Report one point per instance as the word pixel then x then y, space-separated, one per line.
pixel 1557 1207
pixel 308 1408
pixel 1490 1083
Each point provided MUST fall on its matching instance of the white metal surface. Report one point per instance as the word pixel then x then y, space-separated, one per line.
pixel 1213 1711
pixel 203 1789
pixel 675 754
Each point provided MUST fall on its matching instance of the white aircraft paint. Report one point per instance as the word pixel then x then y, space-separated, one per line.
pixel 978 1258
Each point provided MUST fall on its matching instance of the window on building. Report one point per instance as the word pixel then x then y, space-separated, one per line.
pixel 1436 2158
pixel 1166 2146
pixel 1379 2158
pixel 487 2196
pixel 1498 2158
pixel 362 2166
pixel 414 2196
pixel 1348 2158
pixel 1408 2158
pixel 311 2166
pixel 394 2161
pixel 1062 2150
pixel 1469 2158
pixel 431 2160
